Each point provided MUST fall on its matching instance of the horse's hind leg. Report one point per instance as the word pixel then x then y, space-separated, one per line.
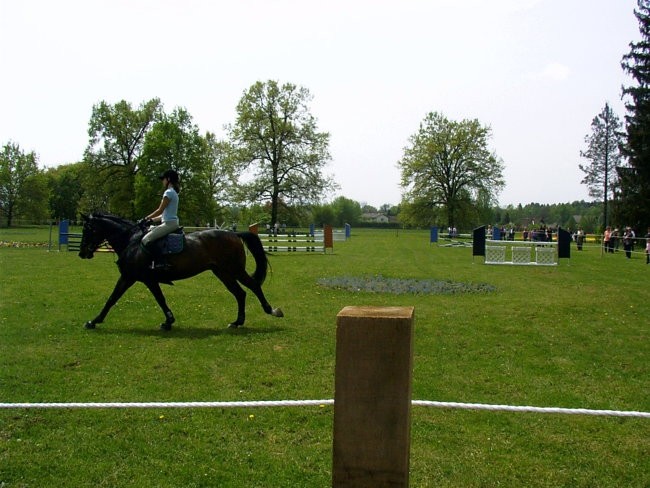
pixel 256 288
pixel 239 294
pixel 155 290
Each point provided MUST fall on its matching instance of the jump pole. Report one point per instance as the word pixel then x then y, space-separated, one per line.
pixel 372 398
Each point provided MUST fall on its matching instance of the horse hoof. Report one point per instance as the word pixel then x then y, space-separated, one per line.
pixel 277 312
pixel 234 325
pixel 89 325
pixel 167 324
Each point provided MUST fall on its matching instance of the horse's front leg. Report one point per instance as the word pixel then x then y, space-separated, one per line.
pixel 155 290
pixel 121 286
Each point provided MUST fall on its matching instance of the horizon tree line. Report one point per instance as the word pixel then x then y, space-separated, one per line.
pixel 272 164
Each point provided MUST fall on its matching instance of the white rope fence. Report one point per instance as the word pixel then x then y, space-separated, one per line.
pixel 512 408
pixel 243 404
pixel 321 403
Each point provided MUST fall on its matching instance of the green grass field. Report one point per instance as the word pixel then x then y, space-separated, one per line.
pixel 575 335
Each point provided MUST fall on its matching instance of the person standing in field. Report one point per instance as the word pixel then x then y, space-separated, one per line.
pixel 607 236
pixel 580 238
pixel 628 242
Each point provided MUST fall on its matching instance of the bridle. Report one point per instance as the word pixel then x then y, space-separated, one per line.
pixel 93 230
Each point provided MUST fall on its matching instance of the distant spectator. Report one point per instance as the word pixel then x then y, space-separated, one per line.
pixel 607 236
pixel 628 242
pixel 615 240
pixel 647 247
pixel 580 238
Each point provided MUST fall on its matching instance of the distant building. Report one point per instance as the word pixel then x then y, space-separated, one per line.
pixel 374 217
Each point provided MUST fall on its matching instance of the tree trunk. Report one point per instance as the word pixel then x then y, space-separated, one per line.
pixel 10 214
pixel 450 215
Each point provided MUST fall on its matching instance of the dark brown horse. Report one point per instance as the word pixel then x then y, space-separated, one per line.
pixel 221 252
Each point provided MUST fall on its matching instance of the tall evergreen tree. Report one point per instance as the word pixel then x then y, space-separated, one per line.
pixel 604 156
pixel 635 180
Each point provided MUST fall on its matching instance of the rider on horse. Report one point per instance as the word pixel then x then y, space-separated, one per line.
pixel 167 213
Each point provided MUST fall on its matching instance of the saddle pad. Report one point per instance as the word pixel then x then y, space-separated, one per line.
pixel 173 243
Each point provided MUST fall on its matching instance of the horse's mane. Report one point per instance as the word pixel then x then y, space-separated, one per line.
pixel 113 218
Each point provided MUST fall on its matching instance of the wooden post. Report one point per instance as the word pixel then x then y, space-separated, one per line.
pixel 328 238
pixel 372 400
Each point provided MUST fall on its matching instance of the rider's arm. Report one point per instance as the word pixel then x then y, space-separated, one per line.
pixel 157 214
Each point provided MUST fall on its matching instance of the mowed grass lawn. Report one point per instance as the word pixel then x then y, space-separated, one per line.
pixel 575 335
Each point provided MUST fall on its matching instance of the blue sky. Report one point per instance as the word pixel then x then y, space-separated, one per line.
pixel 535 71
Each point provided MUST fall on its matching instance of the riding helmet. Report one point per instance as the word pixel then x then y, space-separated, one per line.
pixel 171 175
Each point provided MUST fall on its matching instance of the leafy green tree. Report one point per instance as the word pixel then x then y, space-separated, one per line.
pixel 445 168
pixel 279 146
pixel 23 190
pixel 385 209
pixel 484 212
pixel 346 211
pixel 66 190
pixel 570 224
pixel 117 134
pixel 222 174
pixel 415 214
pixel 34 205
pixel 222 169
pixel 604 157
pixel 323 215
pixel 567 215
pixel 174 142
pixel 254 214
pixel 589 223
pixel 291 215
pixel 635 180
pixel 96 195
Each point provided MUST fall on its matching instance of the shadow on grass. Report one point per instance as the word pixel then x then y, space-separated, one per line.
pixel 180 332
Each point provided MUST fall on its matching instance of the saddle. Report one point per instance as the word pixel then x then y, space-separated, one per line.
pixel 172 243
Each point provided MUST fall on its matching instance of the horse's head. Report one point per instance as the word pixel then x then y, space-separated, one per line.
pixel 100 227
pixel 91 237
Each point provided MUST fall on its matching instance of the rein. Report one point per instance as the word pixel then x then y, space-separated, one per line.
pixel 118 233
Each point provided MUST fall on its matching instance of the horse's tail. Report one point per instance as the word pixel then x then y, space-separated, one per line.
pixel 254 245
